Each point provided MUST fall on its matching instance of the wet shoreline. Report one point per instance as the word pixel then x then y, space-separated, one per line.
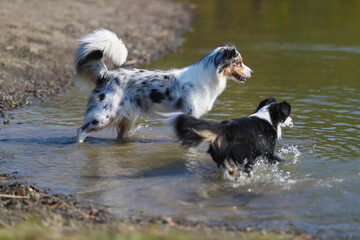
pixel 21 202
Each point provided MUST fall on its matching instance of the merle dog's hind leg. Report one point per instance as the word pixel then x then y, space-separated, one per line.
pixel 95 120
pixel 81 134
pixel 93 126
pixel 124 127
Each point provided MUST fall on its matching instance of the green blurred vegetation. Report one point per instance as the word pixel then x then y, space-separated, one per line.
pixel 251 22
pixel 286 18
pixel 34 229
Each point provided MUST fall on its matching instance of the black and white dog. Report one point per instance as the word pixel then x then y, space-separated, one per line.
pixel 241 140
pixel 121 95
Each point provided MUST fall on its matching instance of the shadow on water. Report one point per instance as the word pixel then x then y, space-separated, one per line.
pixel 89 141
pixel 42 141
pixel 168 170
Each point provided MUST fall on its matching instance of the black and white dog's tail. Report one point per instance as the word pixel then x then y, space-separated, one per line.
pixel 192 131
pixel 88 58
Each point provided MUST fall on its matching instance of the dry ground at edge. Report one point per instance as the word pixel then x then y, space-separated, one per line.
pixel 38 40
pixel 29 213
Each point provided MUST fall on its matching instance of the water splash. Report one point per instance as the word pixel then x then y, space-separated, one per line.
pixel 267 174
pixel 263 176
pixel 138 127
pixel 285 151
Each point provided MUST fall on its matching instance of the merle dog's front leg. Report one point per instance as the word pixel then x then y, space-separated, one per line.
pixel 273 158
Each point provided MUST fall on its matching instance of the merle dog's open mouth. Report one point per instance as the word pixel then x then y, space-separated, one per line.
pixel 239 77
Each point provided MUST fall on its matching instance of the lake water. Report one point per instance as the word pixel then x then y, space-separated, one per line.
pixel 304 52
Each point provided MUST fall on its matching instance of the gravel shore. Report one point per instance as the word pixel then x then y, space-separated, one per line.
pixel 38 40
pixel 19 200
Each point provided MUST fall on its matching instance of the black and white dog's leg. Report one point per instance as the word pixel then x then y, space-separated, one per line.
pixel 273 158
pixel 230 167
pixel 249 166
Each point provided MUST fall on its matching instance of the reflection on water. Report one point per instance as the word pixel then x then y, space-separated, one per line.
pixel 305 52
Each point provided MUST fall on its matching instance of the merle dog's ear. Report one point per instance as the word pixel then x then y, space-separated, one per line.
pixel 225 54
pixel 265 102
pixel 229 53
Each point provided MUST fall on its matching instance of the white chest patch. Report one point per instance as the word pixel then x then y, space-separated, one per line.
pixel 263 113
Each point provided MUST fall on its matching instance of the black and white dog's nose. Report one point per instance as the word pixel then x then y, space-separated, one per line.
pixel 252 72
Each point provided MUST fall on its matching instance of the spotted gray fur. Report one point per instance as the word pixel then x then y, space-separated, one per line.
pixel 122 94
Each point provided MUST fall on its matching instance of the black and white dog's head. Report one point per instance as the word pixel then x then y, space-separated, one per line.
pixel 229 64
pixel 277 114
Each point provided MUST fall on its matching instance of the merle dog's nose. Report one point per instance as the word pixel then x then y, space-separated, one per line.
pixel 252 72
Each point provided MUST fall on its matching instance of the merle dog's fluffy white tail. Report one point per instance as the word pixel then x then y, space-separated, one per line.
pixel 88 58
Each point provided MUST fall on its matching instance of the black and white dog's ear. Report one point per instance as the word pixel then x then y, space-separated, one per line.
pixel 265 102
pixel 285 110
pixel 279 112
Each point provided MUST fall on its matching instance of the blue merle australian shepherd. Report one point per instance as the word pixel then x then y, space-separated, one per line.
pixel 121 95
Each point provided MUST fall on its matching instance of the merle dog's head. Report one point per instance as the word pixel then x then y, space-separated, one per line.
pixel 277 113
pixel 229 64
